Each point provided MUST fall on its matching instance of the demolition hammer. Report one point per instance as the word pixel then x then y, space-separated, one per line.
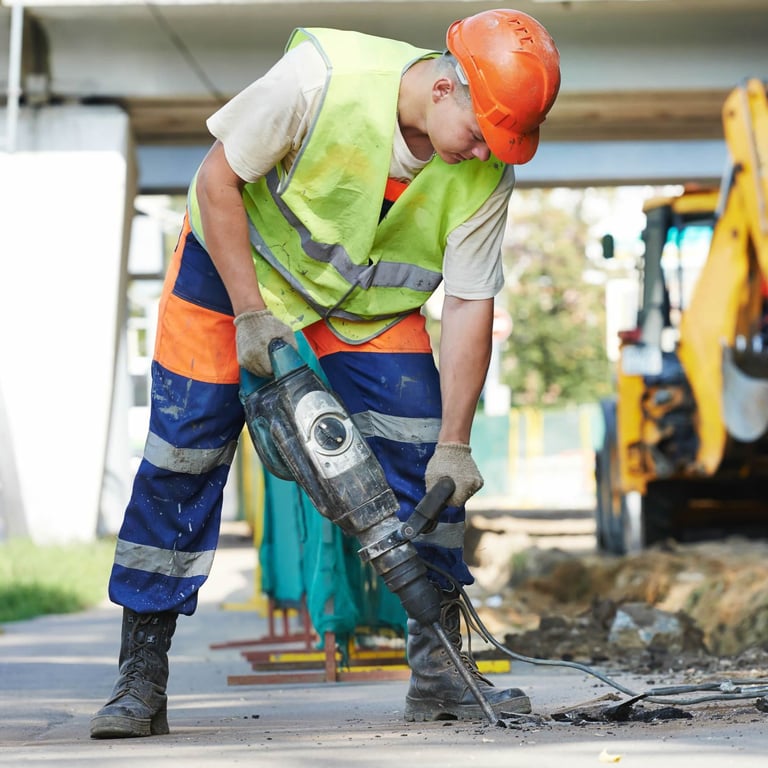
pixel 301 432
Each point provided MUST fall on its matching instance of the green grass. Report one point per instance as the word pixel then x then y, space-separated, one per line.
pixel 38 580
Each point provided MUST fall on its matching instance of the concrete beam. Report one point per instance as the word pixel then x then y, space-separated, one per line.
pixel 169 169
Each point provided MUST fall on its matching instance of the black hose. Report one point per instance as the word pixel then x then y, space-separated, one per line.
pixel 727 689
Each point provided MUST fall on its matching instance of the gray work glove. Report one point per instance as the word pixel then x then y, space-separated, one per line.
pixel 254 332
pixel 454 460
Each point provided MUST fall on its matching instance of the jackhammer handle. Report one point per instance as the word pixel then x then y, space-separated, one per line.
pixel 436 498
pixel 250 382
pixel 424 517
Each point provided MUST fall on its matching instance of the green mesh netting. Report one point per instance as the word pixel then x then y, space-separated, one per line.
pixel 302 554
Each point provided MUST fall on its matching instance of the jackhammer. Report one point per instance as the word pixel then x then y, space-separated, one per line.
pixel 302 433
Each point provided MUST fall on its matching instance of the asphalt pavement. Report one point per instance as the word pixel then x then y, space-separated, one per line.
pixel 55 671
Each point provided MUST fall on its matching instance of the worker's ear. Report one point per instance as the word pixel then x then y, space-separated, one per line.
pixel 442 88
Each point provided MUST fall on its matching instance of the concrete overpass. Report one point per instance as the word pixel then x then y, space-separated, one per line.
pixel 108 99
pixel 643 80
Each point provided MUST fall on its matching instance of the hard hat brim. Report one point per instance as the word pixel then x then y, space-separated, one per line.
pixel 510 147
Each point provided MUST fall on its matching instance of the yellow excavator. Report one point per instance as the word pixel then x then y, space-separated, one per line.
pixel 684 452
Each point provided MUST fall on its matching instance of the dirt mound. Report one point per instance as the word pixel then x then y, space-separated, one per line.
pixel 702 605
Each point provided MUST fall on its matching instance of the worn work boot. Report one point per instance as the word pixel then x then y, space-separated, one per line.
pixel 437 690
pixel 138 705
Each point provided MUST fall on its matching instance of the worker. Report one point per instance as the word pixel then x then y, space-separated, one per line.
pixel 342 188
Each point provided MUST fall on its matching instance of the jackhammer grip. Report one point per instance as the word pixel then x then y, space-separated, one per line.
pixel 438 495
pixel 423 519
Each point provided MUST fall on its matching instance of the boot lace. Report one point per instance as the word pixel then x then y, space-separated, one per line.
pixel 142 643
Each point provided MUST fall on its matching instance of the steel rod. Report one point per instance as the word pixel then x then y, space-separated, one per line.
pixel 466 674
pixel 14 75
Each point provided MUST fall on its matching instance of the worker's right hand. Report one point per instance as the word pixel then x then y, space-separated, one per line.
pixel 255 329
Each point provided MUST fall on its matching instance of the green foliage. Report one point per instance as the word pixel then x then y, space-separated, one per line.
pixel 556 353
pixel 37 580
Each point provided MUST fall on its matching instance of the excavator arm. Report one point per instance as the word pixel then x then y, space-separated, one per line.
pixel 722 333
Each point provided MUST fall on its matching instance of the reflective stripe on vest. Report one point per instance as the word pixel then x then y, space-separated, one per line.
pixel 383 274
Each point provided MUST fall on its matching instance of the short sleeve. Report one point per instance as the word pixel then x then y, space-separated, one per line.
pixel 472 267
pixel 266 123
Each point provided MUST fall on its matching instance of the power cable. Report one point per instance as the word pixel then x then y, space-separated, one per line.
pixel 186 54
pixel 726 690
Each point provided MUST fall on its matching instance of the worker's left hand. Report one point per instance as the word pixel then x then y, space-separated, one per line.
pixel 455 460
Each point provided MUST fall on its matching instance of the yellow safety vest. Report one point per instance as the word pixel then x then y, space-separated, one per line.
pixel 319 248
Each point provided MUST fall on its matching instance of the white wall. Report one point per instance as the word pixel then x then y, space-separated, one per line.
pixel 64 197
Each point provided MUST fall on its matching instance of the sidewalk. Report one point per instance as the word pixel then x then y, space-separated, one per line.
pixel 56 671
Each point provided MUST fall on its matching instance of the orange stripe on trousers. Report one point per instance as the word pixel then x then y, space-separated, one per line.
pixel 191 340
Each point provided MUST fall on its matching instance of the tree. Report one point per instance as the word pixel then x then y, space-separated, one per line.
pixel 556 352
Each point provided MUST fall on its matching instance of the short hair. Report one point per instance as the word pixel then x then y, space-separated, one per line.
pixel 448 66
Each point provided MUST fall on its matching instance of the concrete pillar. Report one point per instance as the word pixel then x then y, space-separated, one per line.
pixel 66 197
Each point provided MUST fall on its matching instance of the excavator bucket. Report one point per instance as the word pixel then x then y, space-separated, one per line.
pixel 745 398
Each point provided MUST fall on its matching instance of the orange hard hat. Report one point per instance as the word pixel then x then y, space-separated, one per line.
pixel 512 68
